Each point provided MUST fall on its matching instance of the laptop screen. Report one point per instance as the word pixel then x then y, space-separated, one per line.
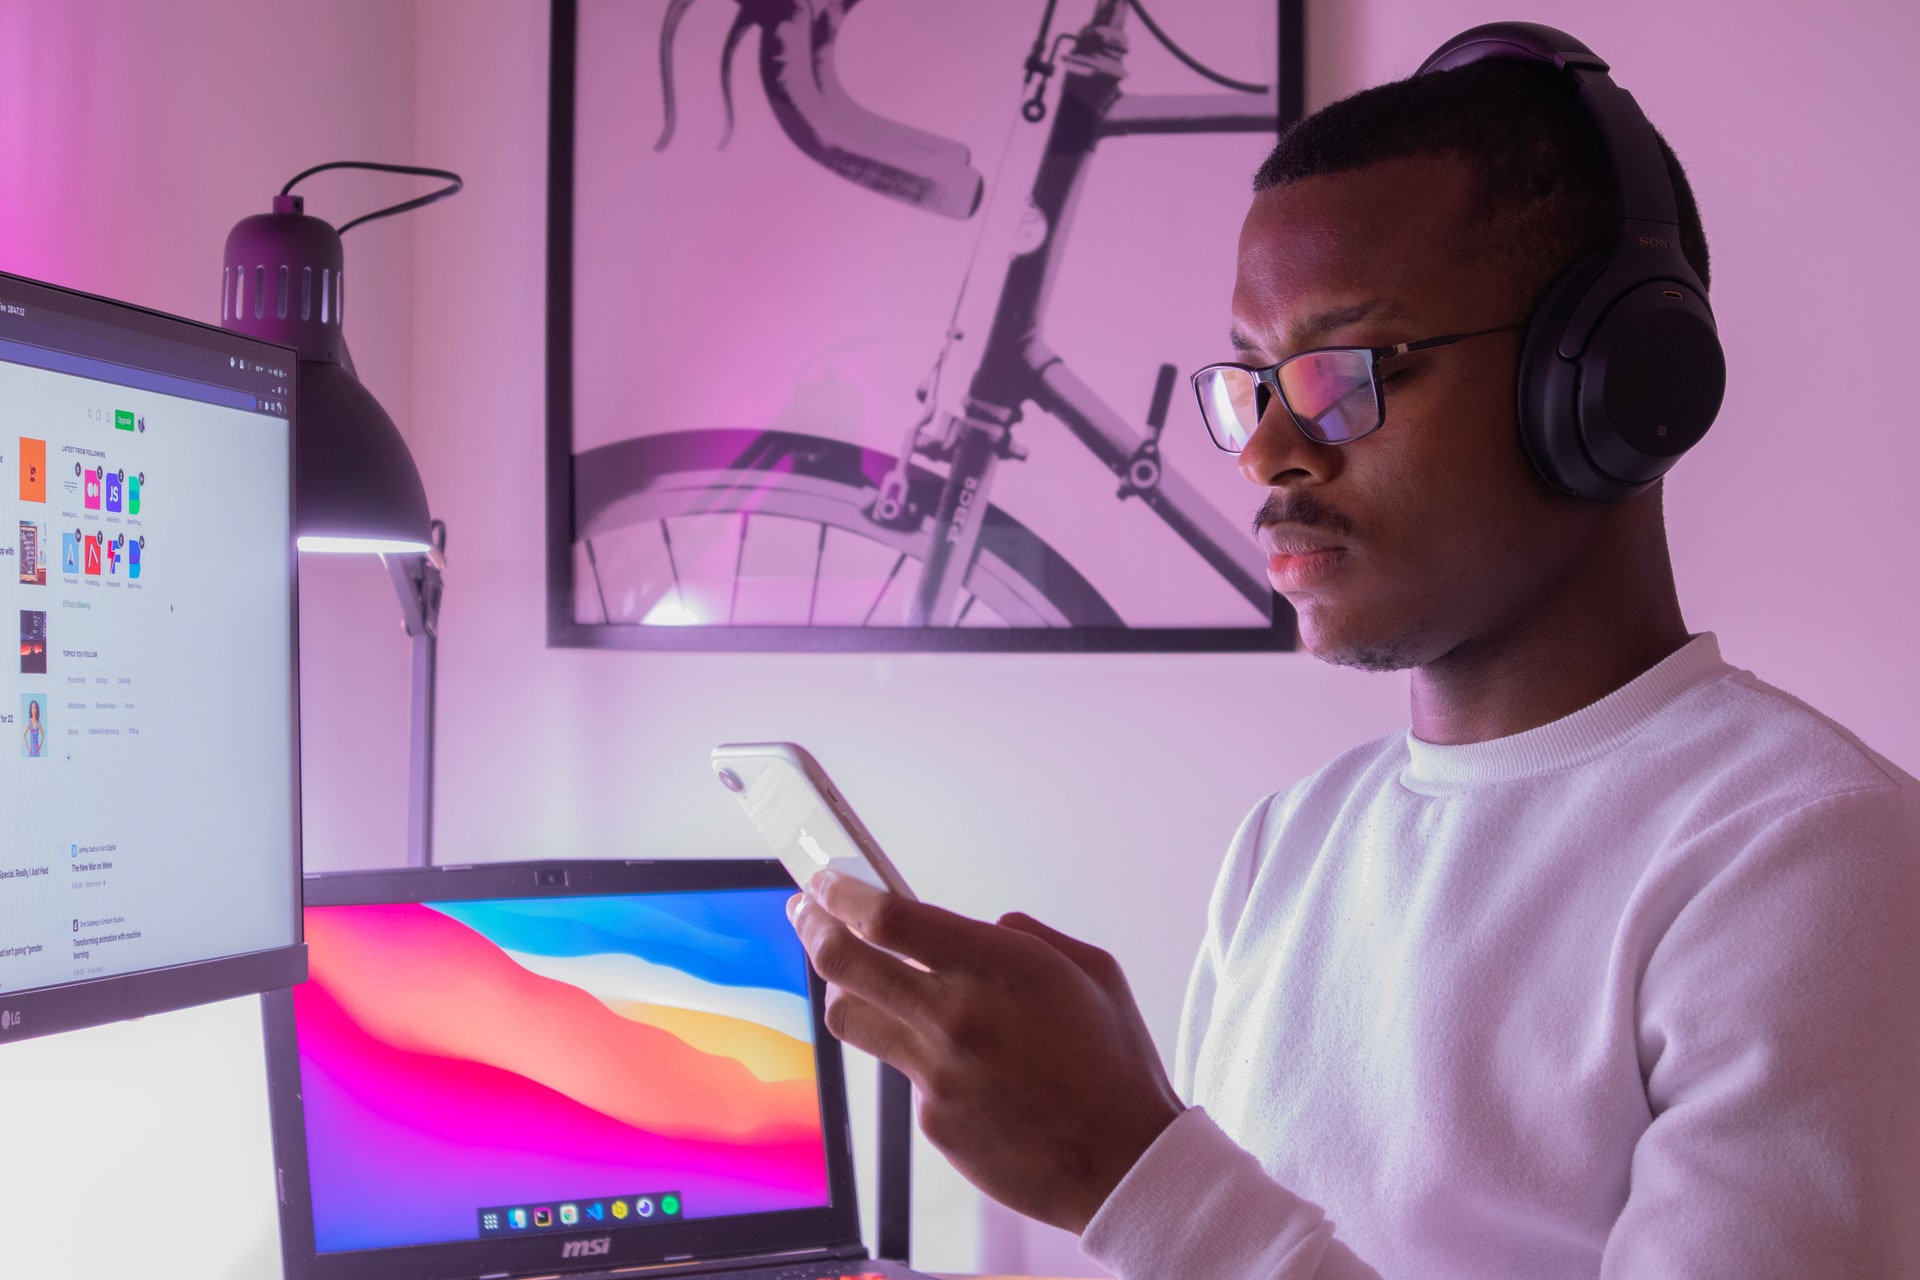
pixel 509 1067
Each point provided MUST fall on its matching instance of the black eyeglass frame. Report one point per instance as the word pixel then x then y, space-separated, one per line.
pixel 1269 378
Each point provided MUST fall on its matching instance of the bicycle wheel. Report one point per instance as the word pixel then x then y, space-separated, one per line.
pixel 744 527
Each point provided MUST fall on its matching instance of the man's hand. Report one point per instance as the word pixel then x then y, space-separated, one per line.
pixel 1035 1072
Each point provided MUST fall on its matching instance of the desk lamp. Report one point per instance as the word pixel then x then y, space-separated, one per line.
pixel 357 489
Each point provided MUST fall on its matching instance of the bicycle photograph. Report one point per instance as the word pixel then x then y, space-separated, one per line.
pixel 968 255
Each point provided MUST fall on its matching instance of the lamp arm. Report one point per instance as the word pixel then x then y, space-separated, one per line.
pixel 417 580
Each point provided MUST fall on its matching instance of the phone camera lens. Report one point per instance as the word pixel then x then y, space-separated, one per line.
pixel 731 780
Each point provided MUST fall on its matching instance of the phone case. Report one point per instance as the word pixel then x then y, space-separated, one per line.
pixel 802 815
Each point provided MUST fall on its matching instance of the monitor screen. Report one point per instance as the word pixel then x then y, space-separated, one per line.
pixel 501 1069
pixel 149 814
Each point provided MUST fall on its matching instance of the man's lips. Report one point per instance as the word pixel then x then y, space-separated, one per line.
pixel 1300 556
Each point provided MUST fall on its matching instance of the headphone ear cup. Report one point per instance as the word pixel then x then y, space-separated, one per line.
pixel 1651 381
pixel 1550 384
pixel 1643 389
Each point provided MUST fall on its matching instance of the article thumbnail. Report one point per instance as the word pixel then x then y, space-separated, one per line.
pixel 33 564
pixel 33 719
pixel 33 642
pixel 33 470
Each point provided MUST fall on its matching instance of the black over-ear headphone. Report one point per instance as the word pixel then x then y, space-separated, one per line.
pixel 1621 370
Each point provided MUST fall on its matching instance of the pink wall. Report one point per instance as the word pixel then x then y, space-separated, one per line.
pixel 1096 791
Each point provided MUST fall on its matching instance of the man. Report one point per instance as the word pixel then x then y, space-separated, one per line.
pixel 1610 966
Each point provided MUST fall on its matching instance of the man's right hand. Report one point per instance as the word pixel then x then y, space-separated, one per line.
pixel 1036 1074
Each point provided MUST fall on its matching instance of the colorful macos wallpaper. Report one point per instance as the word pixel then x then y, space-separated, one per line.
pixel 456 1055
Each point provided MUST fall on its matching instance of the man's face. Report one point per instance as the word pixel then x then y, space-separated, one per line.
pixel 1433 532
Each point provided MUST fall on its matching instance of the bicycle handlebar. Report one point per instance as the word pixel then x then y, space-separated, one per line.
pixel 803 88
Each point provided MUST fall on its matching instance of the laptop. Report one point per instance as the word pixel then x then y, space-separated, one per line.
pixel 556 1069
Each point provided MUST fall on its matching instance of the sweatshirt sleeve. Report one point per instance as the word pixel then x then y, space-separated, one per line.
pixel 1779 1025
pixel 1197 1206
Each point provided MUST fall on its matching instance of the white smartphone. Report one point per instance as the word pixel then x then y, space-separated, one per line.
pixel 802 814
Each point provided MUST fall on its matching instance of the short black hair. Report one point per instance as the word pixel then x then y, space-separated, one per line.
pixel 1546 191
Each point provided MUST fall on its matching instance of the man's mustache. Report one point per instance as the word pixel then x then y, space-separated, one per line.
pixel 1299 509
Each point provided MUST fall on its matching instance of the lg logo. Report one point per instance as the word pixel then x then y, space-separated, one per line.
pixel 587 1248
pixel 10 1018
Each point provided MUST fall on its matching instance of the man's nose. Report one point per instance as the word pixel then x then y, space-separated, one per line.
pixel 1279 449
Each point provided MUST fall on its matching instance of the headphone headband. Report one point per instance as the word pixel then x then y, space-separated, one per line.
pixel 1533 40
pixel 1640 171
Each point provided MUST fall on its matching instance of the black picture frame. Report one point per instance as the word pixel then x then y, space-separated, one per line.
pixel 572 496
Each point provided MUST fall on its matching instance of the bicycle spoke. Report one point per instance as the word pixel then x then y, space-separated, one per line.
pixel 819 555
pixel 599 589
pixel 678 594
pixel 739 558
pixel 891 575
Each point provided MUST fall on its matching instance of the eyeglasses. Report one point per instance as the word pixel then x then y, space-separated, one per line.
pixel 1331 393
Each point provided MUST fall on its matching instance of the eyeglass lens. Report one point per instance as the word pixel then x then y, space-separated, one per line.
pixel 1330 393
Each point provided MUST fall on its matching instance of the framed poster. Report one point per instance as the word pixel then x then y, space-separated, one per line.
pixel 870 322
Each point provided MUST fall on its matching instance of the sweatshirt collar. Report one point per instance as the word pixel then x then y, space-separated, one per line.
pixel 1572 740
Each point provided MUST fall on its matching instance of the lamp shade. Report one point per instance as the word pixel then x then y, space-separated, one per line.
pixel 357 488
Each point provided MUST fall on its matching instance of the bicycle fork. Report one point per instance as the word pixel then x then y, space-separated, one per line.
pixel 976 442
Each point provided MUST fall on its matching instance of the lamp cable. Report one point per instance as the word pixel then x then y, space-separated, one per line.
pixel 452 179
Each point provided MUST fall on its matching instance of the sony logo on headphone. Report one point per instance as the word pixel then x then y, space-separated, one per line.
pixel 1655 242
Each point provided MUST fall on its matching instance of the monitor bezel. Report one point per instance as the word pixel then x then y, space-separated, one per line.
pixel 831 1229
pixel 73 1006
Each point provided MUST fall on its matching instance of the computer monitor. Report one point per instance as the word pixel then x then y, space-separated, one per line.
pixel 149 770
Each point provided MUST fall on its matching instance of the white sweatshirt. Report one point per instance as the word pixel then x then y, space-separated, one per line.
pixel 1634 994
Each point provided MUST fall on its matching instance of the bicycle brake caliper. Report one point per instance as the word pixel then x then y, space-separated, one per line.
pixel 1142 472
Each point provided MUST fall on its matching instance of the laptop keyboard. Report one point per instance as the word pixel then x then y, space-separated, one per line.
pixel 812 1271
pixel 862 1269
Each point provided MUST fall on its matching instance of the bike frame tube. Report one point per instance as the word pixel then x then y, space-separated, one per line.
pixel 1090 89
pixel 1016 366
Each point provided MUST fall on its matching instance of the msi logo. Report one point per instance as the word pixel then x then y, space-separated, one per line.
pixel 587 1248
